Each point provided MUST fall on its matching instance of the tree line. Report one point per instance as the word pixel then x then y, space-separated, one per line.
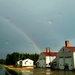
pixel 11 59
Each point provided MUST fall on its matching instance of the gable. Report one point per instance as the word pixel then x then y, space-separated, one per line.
pixel 41 56
pixel 64 52
pixel 27 60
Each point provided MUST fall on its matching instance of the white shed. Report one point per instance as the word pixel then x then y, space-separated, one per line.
pixel 26 62
pixel 65 58
pixel 45 58
pixel 19 62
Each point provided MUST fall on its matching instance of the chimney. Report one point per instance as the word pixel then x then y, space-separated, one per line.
pixel 47 49
pixel 67 43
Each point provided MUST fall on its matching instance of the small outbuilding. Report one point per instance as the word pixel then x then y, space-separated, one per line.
pixel 26 63
pixel 45 58
pixel 65 58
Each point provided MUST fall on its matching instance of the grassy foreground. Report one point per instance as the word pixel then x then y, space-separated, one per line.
pixel 18 68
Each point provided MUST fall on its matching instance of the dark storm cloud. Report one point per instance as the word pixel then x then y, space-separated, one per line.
pixel 47 23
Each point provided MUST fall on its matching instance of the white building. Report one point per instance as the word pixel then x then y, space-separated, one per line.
pixel 26 62
pixel 65 58
pixel 45 58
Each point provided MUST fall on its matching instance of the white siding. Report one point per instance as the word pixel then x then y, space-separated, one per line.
pixel 65 56
pixel 69 62
pixel 42 63
pixel 61 63
pixel 74 59
pixel 19 62
pixel 27 63
pixel 49 59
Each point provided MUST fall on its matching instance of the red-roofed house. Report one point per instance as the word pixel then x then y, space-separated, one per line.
pixel 65 58
pixel 45 58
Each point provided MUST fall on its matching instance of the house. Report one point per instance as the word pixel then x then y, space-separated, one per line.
pixel 19 63
pixel 65 58
pixel 45 58
pixel 26 63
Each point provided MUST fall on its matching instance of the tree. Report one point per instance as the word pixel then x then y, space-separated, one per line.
pixel 8 59
pixel 22 56
pixel 11 59
pixel 14 57
pixel 2 61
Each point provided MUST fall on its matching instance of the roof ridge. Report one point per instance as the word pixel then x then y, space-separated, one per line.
pixel 71 48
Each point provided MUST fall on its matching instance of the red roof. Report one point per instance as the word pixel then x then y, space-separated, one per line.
pixel 49 53
pixel 71 48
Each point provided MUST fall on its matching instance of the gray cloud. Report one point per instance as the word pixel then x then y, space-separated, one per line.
pixel 46 23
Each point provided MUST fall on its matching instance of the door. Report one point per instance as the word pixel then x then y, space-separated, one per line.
pixel 61 63
pixel 68 61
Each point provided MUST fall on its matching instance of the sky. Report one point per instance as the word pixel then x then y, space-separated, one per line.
pixel 29 26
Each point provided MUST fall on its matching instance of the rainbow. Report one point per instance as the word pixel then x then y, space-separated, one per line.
pixel 20 31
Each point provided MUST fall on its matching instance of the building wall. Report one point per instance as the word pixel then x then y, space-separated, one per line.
pixel 41 56
pixel 19 62
pixel 64 52
pixel 44 61
pixel 41 61
pixel 74 59
pixel 27 63
pixel 63 56
pixel 49 59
